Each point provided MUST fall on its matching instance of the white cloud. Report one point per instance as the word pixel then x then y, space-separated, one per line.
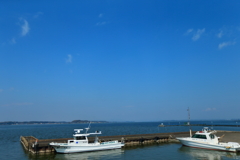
pixel 210 109
pixel 69 60
pixel 101 23
pixel 100 15
pixel 220 34
pixel 25 27
pixel 37 14
pixel 189 31
pixel 225 44
pixel 13 41
pixel 198 34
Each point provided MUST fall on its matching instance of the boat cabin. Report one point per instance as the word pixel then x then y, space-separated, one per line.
pixel 207 135
pixel 81 138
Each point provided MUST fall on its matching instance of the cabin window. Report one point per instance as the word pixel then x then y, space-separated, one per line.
pixel 80 138
pixel 212 136
pixel 199 136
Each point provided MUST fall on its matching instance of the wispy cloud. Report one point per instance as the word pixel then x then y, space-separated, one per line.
pixel 220 34
pixel 17 104
pixel 195 34
pixel 25 27
pixel 13 41
pixel 8 90
pixel 210 109
pixel 69 59
pixel 189 31
pixel 37 14
pixel 101 23
pixel 198 34
pixel 100 15
pixel 225 44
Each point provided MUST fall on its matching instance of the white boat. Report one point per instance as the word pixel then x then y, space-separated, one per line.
pixel 207 139
pixel 161 125
pixel 80 143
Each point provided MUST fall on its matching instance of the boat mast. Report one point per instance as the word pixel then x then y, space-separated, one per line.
pixel 189 122
pixel 88 127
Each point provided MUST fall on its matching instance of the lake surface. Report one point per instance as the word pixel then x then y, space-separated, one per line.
pixel 11 147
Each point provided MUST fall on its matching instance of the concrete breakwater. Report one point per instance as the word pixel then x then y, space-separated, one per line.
pixel 206 125
pixel 37 146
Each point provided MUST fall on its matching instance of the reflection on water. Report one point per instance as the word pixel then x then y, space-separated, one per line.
pixel 114 154
pixel 167 151
pixel 107 154
pixel 205 154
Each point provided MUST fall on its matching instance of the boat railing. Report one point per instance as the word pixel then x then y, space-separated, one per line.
pixel 56 143
pixel 109 142
pixel 78 131
pixel 96 132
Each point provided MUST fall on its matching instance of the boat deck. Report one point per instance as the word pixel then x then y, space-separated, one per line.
pixel 229 136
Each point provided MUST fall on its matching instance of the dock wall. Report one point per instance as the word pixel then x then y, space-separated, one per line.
pixel 38 146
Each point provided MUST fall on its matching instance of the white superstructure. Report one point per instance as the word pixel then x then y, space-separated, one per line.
pixel 207 139
pixel 80 143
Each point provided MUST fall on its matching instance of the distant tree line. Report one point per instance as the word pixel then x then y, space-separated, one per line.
pixel 86 121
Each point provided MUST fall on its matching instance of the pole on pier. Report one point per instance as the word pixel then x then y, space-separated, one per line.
pixel 189 122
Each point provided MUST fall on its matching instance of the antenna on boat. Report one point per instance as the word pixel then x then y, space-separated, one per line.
pixel 189 122
pixel 88 127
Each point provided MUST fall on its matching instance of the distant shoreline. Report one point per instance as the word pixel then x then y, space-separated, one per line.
pixel 49 122
pixel 87 121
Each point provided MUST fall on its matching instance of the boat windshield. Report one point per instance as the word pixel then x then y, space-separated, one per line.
pixel 80 138
pixel 199 136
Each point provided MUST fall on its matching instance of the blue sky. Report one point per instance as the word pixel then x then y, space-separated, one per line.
pixel 119 60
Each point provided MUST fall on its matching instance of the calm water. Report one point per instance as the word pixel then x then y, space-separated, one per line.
pixel 11 148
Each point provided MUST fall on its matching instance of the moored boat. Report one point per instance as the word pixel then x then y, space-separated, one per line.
pixel 207 139
pixel 80 143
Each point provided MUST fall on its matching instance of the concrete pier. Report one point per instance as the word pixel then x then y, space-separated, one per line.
pixel 37 146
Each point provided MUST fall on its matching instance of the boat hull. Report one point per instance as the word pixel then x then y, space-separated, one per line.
pixel 64 148
pixel 206 145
